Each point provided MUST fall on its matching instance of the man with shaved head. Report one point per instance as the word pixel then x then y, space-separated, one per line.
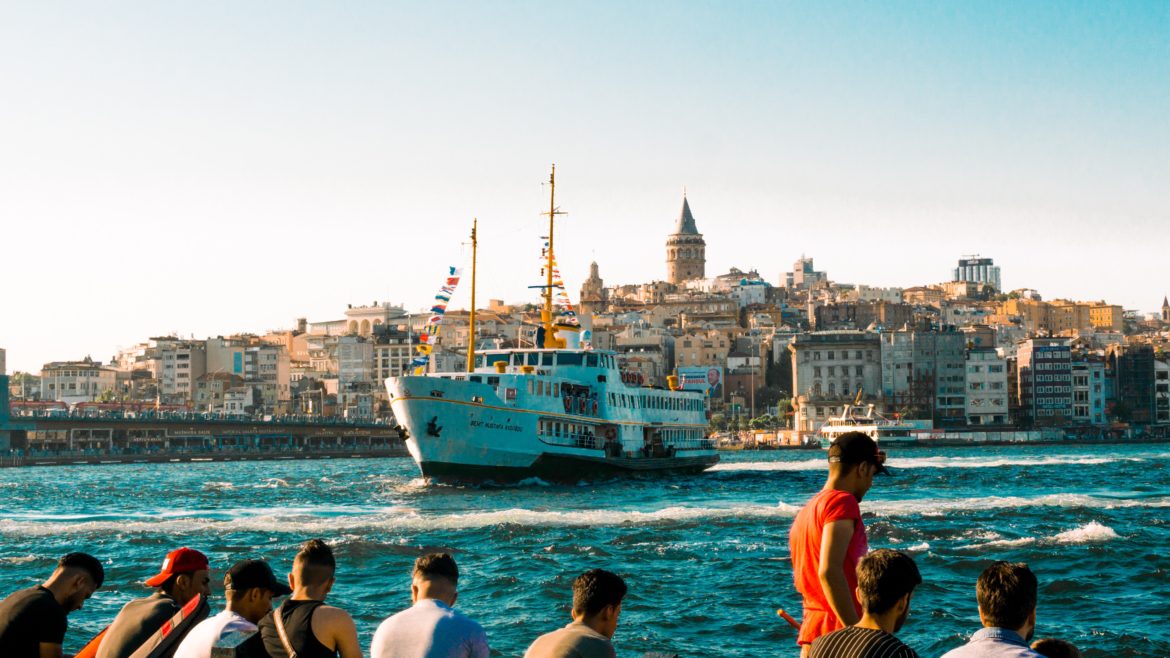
pixel 303 626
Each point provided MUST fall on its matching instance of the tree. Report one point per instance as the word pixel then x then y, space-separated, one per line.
pixel 718 422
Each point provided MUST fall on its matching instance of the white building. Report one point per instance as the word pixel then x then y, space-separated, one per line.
pixel 864 293
pixel 1088 387
pixel 987 388
pixel 76 381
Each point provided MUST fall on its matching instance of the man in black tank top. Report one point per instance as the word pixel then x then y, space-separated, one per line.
pixel 304 627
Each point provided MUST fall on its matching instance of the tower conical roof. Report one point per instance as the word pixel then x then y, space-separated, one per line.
pixel 1165 302
pixel 686 221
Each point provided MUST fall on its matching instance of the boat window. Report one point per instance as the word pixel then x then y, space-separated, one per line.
pixel 591 360
pixel 546 359
pixel 476 378
pixel 568 358
pixel 493 358
pixel 493 381
pixel 556 389
pixel 531 387
pixel 479 361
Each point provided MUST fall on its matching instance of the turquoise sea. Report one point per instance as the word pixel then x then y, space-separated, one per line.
pixel 705 556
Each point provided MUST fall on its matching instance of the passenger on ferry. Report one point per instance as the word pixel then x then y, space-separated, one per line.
pixel 885 582
pixel 830 527
pixel 33 621
pixel 597 604
pixel 303 626
pixel 1053 648
pixel 1006 593
pixel 185 574
pixel 431 628
pixel 249 587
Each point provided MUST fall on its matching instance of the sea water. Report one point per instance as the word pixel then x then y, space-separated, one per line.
pixel 706 556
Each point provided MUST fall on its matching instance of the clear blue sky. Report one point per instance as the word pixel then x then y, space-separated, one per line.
pixel 213 167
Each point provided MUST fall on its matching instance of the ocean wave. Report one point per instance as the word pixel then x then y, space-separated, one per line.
pixel 936 507
pixel 302 521
pixel 898 461
pixel 1092 532
pixel 334 519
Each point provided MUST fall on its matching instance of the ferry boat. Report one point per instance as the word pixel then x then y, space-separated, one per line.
pixel 556 414
pixel 557 411
pixel 863 418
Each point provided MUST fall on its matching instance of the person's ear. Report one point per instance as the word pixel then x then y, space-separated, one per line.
pixel 292 581
pixel 183 582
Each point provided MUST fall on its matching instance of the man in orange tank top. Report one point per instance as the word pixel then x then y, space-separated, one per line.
pixel 827 539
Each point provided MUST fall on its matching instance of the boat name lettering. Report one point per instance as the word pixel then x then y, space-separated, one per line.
pixel 496 426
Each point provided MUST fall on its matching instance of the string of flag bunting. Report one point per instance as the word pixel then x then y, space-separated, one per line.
pixel 430 331
pixel 560 296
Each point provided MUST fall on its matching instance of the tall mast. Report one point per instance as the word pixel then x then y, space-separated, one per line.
pixel 547 315
pixel 471 322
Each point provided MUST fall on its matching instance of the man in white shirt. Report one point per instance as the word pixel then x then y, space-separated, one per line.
pixel 249 587
pixel 431 628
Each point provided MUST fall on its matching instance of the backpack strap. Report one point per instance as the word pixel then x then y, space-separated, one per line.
pixel 278 620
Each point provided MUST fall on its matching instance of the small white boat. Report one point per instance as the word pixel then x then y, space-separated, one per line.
pixel 864 418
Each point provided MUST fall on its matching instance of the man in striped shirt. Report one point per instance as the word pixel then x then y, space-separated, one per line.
pixel 885 581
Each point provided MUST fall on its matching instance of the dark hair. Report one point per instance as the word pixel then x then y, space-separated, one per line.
pixel 316 562
pixel 440 565
pixel 885 576
pixel 596 589
pixel 1006 592
pixel 1053 648
pixel 85 562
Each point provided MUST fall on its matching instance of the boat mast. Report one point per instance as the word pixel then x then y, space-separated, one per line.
pixel 471 320
pixel 550 339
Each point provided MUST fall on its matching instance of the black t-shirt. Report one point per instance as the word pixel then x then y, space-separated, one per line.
pixel 854 642
pixel 29 618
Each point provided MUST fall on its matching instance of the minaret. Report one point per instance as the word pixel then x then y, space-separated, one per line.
pixel 686 256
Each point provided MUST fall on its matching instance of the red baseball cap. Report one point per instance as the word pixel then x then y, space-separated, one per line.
pixel 180 560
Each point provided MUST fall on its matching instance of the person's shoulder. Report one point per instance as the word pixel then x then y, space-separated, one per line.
pixel 332 615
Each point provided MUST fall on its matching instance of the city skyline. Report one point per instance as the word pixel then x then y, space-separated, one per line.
pixel 217 169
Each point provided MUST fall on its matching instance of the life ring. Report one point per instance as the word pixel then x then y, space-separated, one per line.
pixel 595 407
pixel 568 405
pixel 610 433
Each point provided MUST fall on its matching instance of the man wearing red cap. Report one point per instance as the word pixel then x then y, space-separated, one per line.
pixel 184 576
pixel 828 539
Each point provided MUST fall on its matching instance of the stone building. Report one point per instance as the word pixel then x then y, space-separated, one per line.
pixel 828 370
pixel 686 256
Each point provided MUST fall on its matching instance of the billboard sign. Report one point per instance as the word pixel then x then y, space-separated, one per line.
pixel 706 379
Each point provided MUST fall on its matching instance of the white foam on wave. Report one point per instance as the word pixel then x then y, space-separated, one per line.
pixel 23 559
pixel 1090 533
pixel 330 520
pixel 899 461
pixel 919 548
pixel 935 507
pixel 803 465
pixel 391 519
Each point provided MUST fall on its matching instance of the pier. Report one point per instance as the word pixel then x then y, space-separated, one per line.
pixel 48 438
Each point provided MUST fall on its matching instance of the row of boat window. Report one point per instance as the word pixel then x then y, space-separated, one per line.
pixel 677 437
pixel 547 359
pixel 654 402
pixel 556 428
